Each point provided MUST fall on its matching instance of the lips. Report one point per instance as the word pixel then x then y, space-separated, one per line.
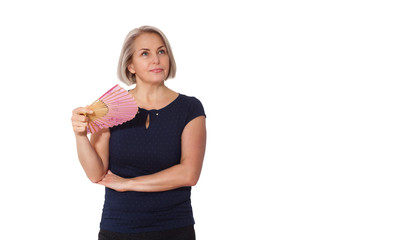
pixel 156 70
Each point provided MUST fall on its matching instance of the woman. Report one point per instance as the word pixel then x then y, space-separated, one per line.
pixel 149 163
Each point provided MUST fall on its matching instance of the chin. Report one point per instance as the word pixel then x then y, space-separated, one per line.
pixel 160 78
pixel 156 80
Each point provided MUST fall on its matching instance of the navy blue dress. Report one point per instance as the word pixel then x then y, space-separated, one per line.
pixel 135 150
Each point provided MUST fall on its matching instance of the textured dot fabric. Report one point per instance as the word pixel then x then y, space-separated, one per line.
pixel 136 150
pixel 183 233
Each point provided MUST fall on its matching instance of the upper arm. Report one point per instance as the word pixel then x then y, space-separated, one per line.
pixel 193 144
pixel 100 142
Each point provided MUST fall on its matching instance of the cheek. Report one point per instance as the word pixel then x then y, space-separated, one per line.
pixel 166 61
pixel 139 65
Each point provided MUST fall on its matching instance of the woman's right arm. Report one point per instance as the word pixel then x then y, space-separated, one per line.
pixel 93 154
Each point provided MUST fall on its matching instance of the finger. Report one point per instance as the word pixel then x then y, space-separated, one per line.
pixel 82 118
pixel 82 111
pixel 80 124
pixel 79 129
pixel 89 110
pixel 79 118
pixel 79 110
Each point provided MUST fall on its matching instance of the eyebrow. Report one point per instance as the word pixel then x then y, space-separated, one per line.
pixel 146 49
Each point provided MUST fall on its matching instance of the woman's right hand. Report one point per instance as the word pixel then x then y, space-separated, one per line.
pixel 80 121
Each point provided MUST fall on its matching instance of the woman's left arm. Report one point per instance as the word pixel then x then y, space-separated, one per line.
pixel 186 173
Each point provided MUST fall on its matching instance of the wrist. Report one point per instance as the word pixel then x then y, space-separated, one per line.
pixel 128 184
pixel 80 135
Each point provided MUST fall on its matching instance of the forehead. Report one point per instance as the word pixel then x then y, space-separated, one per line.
pixel 148 40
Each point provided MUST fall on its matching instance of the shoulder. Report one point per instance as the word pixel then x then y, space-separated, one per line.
pixel 189 100
pixel 191 106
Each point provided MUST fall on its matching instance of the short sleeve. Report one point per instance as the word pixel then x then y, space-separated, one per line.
pixel 195 109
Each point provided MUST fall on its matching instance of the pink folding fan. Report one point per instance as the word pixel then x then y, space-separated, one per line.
pixel 113 108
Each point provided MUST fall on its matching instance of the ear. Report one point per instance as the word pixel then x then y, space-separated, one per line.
pixel 131 68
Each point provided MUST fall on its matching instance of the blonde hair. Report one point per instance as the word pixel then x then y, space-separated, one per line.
pixel 125 58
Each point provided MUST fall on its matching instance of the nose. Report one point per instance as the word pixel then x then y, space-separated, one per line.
pixel 156 59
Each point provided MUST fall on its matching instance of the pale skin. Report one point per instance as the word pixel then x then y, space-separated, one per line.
pixel 150 63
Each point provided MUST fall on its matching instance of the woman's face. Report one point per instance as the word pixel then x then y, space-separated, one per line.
pixel 150 61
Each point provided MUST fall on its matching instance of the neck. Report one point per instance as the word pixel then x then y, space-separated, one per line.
pixel 150 96
pixel 149 91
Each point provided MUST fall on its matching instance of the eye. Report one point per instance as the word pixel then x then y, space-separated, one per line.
pixel 145 54
pixel 162 51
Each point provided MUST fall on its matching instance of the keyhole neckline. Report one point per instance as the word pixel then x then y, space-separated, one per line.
pixel 156 111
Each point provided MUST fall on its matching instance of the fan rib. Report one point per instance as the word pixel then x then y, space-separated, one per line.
pixel 120 107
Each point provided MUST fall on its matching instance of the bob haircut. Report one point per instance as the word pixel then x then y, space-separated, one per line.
pixel 127 53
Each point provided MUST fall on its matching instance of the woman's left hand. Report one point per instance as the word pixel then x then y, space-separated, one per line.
pixel 114 182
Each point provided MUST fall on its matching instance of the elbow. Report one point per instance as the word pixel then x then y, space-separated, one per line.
pixel 190 176
pixel 192 181
pixel 96 178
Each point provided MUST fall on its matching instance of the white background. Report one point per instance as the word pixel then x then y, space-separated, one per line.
pixel 304 104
